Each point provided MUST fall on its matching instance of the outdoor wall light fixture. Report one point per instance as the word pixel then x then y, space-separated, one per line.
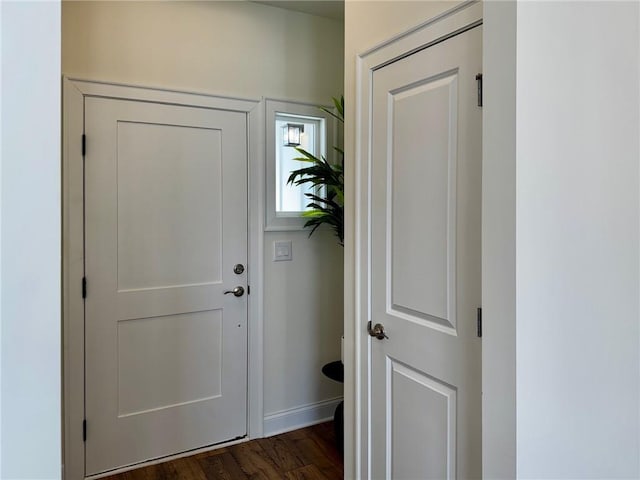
pixel 291 134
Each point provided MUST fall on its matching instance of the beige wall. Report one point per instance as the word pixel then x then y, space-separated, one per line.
pixel 367 24
pixel 233 48
pixel 248 50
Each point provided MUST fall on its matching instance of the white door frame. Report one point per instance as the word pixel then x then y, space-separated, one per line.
pixel 357 341
pixel 74 92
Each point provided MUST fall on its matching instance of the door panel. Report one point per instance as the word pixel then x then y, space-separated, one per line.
pixel 425 264
pixel 149 382
pixel 166 221
pixel 160 181
pixel 423 179
pixel 434 424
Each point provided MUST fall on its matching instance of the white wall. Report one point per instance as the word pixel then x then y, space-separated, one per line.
pixel 303 323
pixel 248 50
pixel 577 247
pixel 30 244
pixel 367 24
pixel 1 135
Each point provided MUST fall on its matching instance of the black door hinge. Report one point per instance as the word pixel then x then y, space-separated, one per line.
pixel 479 323
pixel 84 144
pixel 84 287
pixel 479 81
pixel 84 430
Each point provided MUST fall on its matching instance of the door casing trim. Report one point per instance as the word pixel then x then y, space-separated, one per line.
pixel 74 93
pixel 357 345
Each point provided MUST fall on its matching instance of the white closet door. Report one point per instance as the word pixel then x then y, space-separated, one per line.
pixel 425 264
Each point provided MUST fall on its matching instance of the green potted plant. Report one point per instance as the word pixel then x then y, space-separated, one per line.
pixel 326 204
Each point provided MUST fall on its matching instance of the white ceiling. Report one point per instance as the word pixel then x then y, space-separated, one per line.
pixel 323 8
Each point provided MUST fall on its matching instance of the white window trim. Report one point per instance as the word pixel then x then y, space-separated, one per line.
pixel 273 107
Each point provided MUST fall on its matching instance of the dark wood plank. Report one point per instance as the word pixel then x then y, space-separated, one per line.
pixel 152 472
pixel 313 454
pixel 211 453
pixel 325 431
pixel 255 462
pixel 296 434
pixel 221 467
pixel 186 468
pixel 283 456
pixel 305 454
pixel 308 472
pixel 326 440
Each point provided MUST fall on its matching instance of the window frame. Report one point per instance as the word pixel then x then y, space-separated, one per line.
pixel 273 108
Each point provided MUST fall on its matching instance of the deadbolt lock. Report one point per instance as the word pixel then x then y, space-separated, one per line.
pixel 238 269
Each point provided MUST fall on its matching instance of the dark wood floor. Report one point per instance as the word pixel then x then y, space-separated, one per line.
pixel 306 454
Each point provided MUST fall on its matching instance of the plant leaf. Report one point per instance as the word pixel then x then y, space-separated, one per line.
pixel 326 208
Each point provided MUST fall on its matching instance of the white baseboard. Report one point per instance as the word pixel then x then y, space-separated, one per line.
pixel 300 417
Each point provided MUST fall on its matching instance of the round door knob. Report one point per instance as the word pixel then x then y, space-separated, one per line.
pixel 238 291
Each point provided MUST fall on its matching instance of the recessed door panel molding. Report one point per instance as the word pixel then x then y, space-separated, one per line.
pixel 434 455
pixel 170 361
pixel 421 192
pixel 154 302
pixel 168 185
pixel 424 237
pixel 165 224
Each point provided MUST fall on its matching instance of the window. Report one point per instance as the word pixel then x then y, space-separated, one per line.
pixel 308 133
pixel 290 125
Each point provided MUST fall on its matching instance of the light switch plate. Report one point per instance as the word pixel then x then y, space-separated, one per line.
pixel 282 251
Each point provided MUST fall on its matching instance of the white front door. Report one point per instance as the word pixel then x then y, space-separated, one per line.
pixel 166 222
pixel 425 264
